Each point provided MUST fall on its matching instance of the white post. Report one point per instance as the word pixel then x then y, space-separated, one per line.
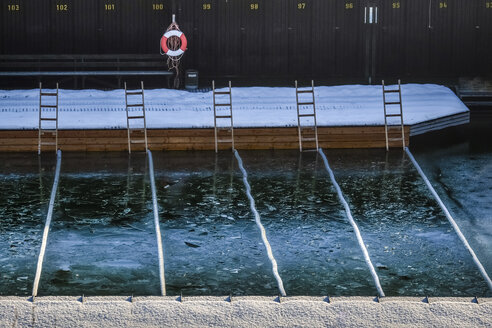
pixel 155 207
pixel 450 219
pixel 44 241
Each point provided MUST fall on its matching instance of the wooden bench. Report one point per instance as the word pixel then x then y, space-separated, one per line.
pixel 84 66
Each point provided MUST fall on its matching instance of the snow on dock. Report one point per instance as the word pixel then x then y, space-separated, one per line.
pixel 347 105
pixel 245 312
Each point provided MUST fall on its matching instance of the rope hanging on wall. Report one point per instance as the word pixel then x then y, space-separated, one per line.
pixel 173 44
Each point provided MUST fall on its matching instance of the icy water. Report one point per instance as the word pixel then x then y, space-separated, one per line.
pixel 24 195
pixel 459 165
pixel 413 246
pixel 102 240
pixel 212 245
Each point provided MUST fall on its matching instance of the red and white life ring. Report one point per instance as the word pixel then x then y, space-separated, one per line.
pixel 165 48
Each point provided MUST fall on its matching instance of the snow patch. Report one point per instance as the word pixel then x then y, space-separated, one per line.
pixel 252 107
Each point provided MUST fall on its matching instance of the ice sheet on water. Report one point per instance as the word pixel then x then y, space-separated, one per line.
pixel 24 199
pixel 462 175
pixel 405 229
pixel 314 245
pixel 102 240
pixel 209 211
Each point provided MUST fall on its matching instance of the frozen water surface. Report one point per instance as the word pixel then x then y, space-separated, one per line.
pixel 411 243
pixel 25 185
pixel 102 238
pixel 211 242
pixel 460 168
pixel 314 244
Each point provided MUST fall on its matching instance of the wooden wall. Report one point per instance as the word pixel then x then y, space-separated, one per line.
pixel 295 38
pixel 199 139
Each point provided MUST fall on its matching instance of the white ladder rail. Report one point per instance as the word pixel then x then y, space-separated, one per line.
pixel 362 245
pixel 453 223
pixel 299 116
pixel 216 128
pixel 136 117
pixel 44 241
pixel 160 252
pixel 41 130
pixel 386 114
pixel 264 238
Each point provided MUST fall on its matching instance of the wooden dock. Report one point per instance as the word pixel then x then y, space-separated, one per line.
pixel 200 139
pixel 440 123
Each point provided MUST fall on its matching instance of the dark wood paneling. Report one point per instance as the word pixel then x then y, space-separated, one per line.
pixel 417 37
pixel 228 37
pixel 61 29
pixel 465 35
pixel 300 37
pixel 85 26
pixel 275 61
pixel 484 38
pixel 201 33
pixel 3 17
pixel 15 37
pixel 349 41
pixel 441 37
pixel 253 14
pixel 295 38
pixel 392 38
pixel 323 36
pixel 109 36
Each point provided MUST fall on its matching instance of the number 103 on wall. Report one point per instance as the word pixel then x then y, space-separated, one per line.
pixel 13 7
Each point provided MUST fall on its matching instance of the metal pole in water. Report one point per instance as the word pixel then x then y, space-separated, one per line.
pixel 157 226
pixel 260 225
pixel 354 225
pixel 450 219
pixel 47 224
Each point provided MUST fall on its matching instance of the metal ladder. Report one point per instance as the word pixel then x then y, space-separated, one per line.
pixel 43 108
pixel 313 129
pixel 394 128
pixel 227 115
pixel 136 111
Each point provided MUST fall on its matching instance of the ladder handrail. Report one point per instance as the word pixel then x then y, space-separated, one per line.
pixel 230 116
pixel 144 118
pixel 299 115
